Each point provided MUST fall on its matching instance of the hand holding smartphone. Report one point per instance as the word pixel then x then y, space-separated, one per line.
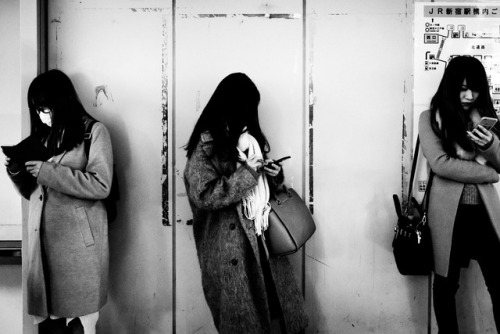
pixel 278 161
pixel 487 123
pixel 482 137
pixel 274 169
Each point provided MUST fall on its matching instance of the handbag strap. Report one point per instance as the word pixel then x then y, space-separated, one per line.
pixel 425 200
pixel 413 168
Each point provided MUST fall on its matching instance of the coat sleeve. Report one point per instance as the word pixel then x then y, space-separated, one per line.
pixel 447 166
pixel 208 189
pixel 492 153
pixel 92 183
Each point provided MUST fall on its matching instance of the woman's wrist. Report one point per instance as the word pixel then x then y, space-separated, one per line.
pixel 487 145
pixel 253 171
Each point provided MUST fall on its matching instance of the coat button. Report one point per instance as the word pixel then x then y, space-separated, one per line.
pixel 234 262
pixel 41 197
pixel 232 226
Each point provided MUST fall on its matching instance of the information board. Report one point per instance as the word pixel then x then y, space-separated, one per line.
pixel 444 30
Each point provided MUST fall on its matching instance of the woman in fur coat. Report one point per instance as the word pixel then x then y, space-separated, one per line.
pixel 228 181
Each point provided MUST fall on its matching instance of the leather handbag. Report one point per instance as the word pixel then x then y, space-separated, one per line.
pixel 290 223
pixel 412 245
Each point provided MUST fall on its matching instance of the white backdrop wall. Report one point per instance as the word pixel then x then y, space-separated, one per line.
pixel 336 84
pixel 11 305
pixel 361 70
pixel 10 112
pixel 18 59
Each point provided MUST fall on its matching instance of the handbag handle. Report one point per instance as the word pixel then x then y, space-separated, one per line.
pixel 279 190
pixel 284 190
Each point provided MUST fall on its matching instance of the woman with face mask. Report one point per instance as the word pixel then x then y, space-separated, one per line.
pixel 67 223
pixel 464 207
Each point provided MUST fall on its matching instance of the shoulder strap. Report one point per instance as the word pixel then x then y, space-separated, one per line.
pixel 413 167
pixel 425 200
pixel 87 137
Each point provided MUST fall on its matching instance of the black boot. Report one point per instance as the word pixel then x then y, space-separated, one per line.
pixel 52 326
pixel 75 327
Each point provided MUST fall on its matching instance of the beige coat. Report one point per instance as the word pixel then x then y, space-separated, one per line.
pixel 67 230
pixel 450 176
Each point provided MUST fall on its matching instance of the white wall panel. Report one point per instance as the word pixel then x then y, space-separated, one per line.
pixel 240 7
pixel 10 113
pixel 120 47
pixel 361 85
pixel 11 297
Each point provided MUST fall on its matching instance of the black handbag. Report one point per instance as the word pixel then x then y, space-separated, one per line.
pixel 412 245
pixel 290 223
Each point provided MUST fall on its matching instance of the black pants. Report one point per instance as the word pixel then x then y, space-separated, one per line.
pixel 473 238
pixel 58 326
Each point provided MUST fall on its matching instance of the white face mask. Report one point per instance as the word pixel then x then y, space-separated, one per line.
pixel 46 118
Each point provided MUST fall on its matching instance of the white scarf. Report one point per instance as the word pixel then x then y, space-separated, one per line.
pixel 256 205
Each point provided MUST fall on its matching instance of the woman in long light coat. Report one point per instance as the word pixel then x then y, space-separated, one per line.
pixel 464 208
pixel 67 222
pixel 244 290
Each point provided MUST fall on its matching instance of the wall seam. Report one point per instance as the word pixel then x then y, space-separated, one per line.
pixel 304 101
pixel 43 36
pixel 174 210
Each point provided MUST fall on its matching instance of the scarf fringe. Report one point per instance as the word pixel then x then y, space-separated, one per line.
pixel 256 205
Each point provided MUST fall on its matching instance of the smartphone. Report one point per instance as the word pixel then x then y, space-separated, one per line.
pixel 276 162
pixel 281 159
pixel 487 122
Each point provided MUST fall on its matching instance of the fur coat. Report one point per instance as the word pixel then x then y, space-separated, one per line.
pixel 228 251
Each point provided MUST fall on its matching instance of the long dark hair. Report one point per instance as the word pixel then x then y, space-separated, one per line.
pixel 232 107
pixel 54 90
pixel 454 119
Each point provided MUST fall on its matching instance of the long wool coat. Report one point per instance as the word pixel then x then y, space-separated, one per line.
pixel 67 229
pixel 227 248
pixel 451 174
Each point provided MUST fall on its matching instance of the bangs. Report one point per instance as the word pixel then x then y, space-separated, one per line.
pixel 475 81
pixel 38 100
pixel 476 76
pixel 39 96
